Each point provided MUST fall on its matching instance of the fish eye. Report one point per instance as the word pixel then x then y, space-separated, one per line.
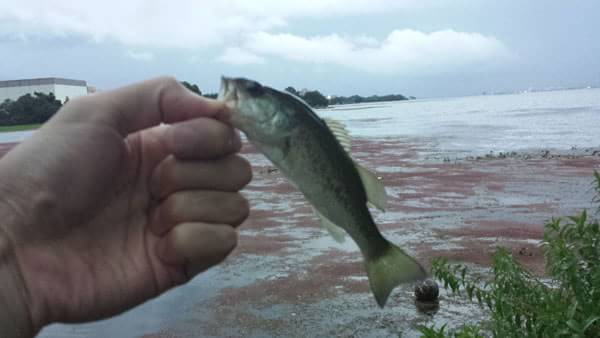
pixel 254 88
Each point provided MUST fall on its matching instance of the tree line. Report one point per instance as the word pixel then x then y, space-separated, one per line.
pixel 317 100
pixel 194 88
pixel 29 109
pixel 39 107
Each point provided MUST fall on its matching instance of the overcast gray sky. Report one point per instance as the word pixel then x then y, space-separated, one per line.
pixel 414 47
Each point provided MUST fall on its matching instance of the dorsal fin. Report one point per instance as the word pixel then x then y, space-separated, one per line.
pixel 341 134
pixel 376 194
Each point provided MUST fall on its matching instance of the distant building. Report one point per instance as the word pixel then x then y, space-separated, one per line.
pixel 61 88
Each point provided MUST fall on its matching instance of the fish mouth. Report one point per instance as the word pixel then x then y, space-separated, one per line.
pixel 228 92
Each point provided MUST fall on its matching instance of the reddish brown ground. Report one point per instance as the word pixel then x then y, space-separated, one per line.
pixel 287 278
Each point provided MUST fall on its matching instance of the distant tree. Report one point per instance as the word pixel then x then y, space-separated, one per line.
pixel 360 99
pixel 315 99
pixel 4 106
pixel 292 90
pixel 29 109
pixel 192 87
pixel 211 95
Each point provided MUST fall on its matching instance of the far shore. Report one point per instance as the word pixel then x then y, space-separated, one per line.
pixel 20 127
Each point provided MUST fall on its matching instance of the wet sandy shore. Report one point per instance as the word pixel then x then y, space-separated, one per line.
pixel 287 278
pixel 301 283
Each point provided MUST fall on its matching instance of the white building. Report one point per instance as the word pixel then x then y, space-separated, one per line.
pixel 61 88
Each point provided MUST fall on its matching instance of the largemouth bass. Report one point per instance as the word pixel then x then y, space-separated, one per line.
pixel 305 148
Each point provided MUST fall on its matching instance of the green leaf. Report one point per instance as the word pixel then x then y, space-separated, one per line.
pixel 589 323
pixel 574 325
pixel 572 309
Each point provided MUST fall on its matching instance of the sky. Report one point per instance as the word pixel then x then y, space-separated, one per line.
pixel 422 48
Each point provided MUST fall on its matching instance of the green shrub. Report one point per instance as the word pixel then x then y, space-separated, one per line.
pixel 565 304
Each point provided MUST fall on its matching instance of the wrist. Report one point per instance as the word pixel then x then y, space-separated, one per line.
pixel 15 315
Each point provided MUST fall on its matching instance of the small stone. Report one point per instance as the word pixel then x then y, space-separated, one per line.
pixel 427 291
pixel 428 308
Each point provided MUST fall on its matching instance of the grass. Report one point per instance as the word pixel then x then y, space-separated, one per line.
pixel 21 127
pixel 564 304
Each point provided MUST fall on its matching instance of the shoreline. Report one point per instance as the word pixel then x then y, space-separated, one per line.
pixel 21 127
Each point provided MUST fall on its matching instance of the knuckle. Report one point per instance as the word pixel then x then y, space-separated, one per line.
pixel 225 138
pixel 232 240
pixel 228 238
pixel 168 81
pixel 169 171
pixel 241 170
pixel 166 177
pixel 240 209
pixel 169 209
pixel 246 170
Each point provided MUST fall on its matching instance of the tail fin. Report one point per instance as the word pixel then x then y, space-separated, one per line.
pixel 391 269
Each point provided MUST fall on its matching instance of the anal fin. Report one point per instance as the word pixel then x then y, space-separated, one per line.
pixel 335 231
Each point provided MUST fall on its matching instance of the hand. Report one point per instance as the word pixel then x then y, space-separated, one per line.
pixel 103 208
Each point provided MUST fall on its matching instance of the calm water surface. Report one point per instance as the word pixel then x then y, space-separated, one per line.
pixel 480 124
pixel 475 124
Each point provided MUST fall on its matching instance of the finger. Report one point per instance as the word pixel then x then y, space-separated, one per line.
pixel 199 206
pixel 197 246
pixel 143 105
pixel 202 138
pixel 230 173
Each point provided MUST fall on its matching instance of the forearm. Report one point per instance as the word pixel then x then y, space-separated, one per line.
pixel 15 319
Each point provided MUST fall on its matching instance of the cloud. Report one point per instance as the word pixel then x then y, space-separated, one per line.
pixel 238 56
pixel 140 56
pixel 181 24
pixel 402 51
pixel 245 31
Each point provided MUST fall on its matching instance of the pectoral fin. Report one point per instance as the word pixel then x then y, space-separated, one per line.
pixel 335 231
pixel 375 190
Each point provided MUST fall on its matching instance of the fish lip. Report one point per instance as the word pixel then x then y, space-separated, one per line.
pixel 229 94
pixel 224 88
pixel 228 90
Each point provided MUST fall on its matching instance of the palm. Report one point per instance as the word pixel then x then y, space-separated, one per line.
pixel 111 247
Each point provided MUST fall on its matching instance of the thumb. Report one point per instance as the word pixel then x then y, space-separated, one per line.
pixel 142 105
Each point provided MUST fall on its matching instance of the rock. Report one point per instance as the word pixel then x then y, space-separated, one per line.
pixel 428 308
pixel 524 252
pixel 427 291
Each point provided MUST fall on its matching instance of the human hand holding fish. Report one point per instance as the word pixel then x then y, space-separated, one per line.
pixel 104 208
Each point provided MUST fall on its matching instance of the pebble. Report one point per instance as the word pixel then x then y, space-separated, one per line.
pixel 427 291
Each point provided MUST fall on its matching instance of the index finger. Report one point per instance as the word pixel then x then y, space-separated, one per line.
pixel 150 103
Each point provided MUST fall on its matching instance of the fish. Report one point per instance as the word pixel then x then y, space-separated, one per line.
pixel 313 153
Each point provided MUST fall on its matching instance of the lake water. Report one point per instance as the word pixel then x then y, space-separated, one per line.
pixel 473 125
pixel 479 124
